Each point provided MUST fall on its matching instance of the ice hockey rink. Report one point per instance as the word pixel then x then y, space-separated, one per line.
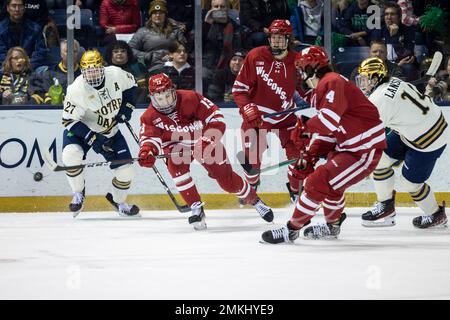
pixel 102 256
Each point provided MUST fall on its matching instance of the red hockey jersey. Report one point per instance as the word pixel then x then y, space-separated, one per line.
pixel 193 116
pixel 345 116
pixel 267 82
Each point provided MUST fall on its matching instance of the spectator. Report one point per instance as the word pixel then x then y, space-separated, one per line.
pixel 182 11
pixel 15 30
pixel 119 16
pixel 257 15
pixel 355 23
pixel 222 84
pixel 408 16
pixel 222 36
pixel 120 54
pixel 177 68
pixel 234 4
pixel 438 86
pixel 307 21
pixel 37 11
pixel 15 79
pixel 150 43
pixel 399 40
pixel 338 14
pixel 59 72
pixel 378 49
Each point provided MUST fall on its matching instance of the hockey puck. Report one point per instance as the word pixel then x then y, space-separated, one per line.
pixel 38 176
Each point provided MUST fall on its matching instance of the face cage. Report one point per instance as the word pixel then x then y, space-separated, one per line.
pixel 94 76
pixel 165 102
pixel 278 51
pixel 365 84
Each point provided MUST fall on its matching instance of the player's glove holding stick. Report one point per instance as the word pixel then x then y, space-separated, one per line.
pixel 147 155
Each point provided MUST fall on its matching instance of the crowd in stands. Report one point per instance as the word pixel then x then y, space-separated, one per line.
pixel 148 37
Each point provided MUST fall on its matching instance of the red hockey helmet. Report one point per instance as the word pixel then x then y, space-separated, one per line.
pixel 162 93
pixel 279 26
pixel 309 60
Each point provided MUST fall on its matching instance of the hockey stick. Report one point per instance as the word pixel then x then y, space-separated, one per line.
pixel 56 167
pixel 269 115
pixel 432 70
pixel 181 208
pixel 245 163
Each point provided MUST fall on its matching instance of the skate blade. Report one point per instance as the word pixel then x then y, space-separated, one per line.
pixel 199 226
pixel 327 238
pixel 276 244
pixel 125 216
pixel 378 224
pixel 441 226
pixel 76 213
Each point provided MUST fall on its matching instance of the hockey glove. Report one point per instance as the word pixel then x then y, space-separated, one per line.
pixel 300 138
pixel 147 155
pixel 125 112
pixel 252 116
pixel 304 166
pixel 102 145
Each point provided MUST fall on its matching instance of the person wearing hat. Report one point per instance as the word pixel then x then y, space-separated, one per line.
pixel 220 88
pixel 177 68
pixel 151 42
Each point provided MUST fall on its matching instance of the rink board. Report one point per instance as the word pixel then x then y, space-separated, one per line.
pixel 27 131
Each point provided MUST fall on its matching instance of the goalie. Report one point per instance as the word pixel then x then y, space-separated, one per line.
pixel 419 136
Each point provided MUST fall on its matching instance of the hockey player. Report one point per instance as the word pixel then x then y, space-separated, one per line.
pixel 186 123
pixel 350 135
pixel 419 136
pixel 95 103
pixel 266 84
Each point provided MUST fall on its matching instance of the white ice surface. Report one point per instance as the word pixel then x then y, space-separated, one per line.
pixel 101 256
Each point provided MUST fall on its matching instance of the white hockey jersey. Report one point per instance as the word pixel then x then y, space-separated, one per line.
pixel 97 108
pixel 417 119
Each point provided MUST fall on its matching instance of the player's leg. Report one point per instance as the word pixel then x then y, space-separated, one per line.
pixel 179 169
pixel 254 144
pixel 383 213
pixel 123 176
pixel 294 185
pixel 74 151
pixel 220 170
pixel 343 170
pixel 328 181
pixel 417 169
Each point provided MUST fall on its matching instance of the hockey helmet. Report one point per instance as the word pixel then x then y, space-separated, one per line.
pixel 371 73
pixel 162 93
pixel 92 67
pixel 309 60
pixel 280 32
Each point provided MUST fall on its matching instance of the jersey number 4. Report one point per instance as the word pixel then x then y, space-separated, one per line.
pixel 405 95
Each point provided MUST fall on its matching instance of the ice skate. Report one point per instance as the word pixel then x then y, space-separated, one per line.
pixel 327 231
pixel 292 194
pixel 263 209
pixel 285 234
pixel 77 203
pixel 124 209
pixel 197 219
pixel 383 215
pixel 436 220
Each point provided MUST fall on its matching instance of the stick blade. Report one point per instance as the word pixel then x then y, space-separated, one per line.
pixel 435 63
pixel 48 159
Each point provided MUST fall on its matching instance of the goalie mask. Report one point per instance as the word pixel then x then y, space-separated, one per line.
pixel 308 61
pixel 162 93
pixel 92 67
pixel 371 73
pixel 280 32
